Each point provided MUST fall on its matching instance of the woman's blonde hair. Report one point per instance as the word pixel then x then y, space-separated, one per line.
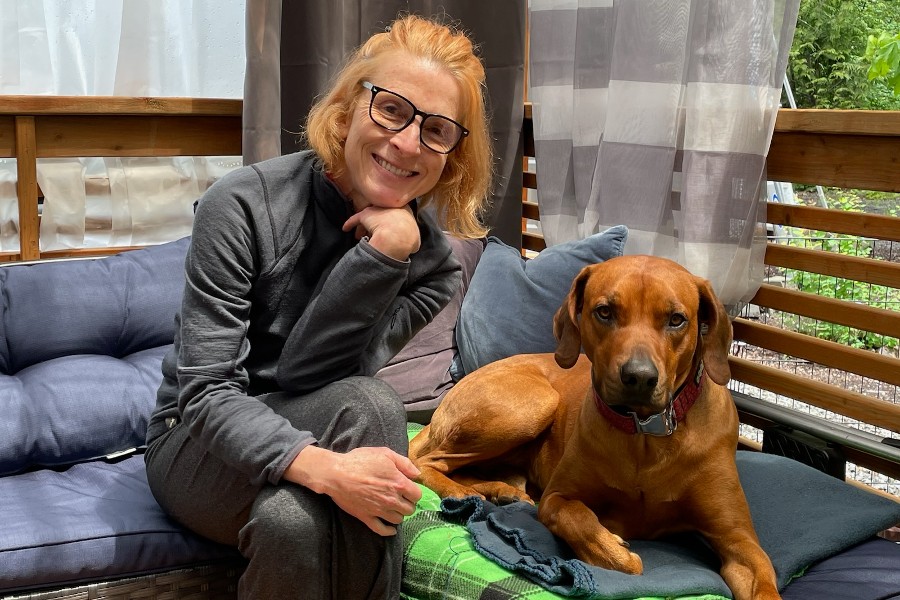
pixel 460 195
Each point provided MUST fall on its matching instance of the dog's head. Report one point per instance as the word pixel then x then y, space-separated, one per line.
pixel 644 322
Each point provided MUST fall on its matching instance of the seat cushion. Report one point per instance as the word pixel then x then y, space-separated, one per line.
pixel 91 521
pixel 868 571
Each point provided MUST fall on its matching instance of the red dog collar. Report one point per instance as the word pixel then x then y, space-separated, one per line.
pixel 663 423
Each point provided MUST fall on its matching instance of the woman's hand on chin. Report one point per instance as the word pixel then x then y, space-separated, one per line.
pixel 392 231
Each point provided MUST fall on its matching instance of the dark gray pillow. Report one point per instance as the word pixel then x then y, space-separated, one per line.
pixel 420 373
pixel 511 301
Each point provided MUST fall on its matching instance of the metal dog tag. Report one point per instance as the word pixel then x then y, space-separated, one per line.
pixel 661 424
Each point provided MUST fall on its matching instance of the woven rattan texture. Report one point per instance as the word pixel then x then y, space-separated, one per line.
pixel 210 582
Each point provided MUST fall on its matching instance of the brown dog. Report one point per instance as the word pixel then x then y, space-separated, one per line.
pixel 635 439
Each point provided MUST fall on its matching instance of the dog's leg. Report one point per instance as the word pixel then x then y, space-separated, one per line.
pixel 726 524
pixel 593 543
pixel 484 420
pixel 501 488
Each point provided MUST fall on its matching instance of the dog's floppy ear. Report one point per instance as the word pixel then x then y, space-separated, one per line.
pixel 716 333
pixel 565 323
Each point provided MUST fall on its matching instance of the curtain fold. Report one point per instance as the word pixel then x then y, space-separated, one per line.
pixel 658 114
pixel 128 48
pixel 316 36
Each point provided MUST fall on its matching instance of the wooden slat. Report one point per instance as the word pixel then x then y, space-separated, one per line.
pixel 529 181
pixel 850 404
pixel 531 211
pixel 830 354
pixel 879 272
pixel 831 310
pixel 846 161
pixel 119 105
pixel 861 122
pixel 27 189
pixel 7 137
pixel 533 241
pixel 834 221
pixel 94 135
pixel 86 252
pixel 876 464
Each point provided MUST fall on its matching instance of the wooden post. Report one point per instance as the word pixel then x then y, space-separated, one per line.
pixel 27 188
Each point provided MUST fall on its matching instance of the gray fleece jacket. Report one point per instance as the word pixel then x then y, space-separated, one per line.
pixel 278 298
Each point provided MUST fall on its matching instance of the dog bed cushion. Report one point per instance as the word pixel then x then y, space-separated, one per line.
pixel 95 520
pixel 511 301
pixel 445 559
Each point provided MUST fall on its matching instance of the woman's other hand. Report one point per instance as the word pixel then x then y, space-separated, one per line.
pixel 372 484
pixel 392 231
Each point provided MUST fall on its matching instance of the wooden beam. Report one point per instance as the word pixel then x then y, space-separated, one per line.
pixel 114 135
pixel 847 161
pixel 834 221
pixel 830 310
pixel 844 402
pixel 841 122
pixel 862 362
pixel 879 272
pixel 119 105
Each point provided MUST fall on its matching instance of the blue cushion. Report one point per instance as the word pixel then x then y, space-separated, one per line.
pixel 869 571
pixel 511 301
pixel 80 365
pixel 93 521
pixel 114 305
pixel 76 408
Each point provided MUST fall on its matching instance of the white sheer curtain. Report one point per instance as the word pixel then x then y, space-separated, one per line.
pixel 658 114
pixel 191 48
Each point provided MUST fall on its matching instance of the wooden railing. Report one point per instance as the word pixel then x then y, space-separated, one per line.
pixel 34 127
pixel 853 149
pixel 847 149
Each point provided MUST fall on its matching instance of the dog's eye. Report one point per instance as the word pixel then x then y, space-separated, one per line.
pixel 677 320
pixel 603 312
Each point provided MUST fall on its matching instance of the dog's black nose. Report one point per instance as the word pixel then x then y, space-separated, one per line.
pixel 639 375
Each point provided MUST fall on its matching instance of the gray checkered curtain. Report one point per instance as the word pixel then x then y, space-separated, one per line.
pixel 658 114
pixel 293 48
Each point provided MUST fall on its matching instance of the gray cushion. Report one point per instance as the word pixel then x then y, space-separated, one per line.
pixel 420 373
pixel 511 301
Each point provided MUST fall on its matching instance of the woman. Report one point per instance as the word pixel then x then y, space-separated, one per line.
pixel 305 274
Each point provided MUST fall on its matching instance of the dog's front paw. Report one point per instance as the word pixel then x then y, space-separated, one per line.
pixel 614 554
pixel 626 560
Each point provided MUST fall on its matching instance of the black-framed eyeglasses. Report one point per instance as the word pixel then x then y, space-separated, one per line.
pixel 393 112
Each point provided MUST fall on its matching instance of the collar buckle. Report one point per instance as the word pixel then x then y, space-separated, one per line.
pixel 661 424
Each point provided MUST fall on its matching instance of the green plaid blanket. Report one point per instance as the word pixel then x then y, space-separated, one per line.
pixel 440 562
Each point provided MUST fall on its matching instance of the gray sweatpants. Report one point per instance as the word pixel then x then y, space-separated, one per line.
pixel 299 544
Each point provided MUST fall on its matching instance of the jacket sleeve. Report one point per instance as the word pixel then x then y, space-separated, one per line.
pixel 212 380
pixel 366 311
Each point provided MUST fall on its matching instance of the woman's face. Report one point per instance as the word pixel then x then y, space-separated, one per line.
pixel 386 168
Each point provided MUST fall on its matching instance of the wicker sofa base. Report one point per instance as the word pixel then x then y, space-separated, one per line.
pixel 206 582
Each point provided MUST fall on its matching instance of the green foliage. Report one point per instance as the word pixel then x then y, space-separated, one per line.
pixel 883 54
pixel 842 289
pixel 828 67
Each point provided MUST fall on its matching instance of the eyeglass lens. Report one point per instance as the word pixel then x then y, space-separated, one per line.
pixel 395 113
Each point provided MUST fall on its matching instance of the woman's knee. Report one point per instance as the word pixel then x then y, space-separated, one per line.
pixel 287 518
pixel 375 409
